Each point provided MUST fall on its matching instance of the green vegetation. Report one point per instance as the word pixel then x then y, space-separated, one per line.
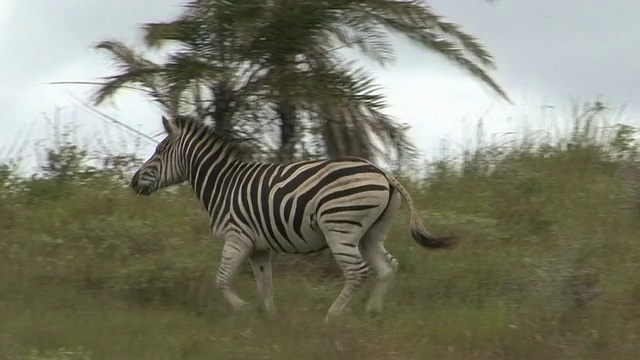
pixel 547 268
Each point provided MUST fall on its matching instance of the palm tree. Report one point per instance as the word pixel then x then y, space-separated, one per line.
pixel 282 60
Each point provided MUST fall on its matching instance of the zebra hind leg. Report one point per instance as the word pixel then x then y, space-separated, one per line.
pixel 261 266
pixel 234 253
pixel 344 248
pixel 385 265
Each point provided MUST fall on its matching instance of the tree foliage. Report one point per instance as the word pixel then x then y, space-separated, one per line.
pixel 278 66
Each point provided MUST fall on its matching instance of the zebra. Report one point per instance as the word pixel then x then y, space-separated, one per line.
pixel 258 209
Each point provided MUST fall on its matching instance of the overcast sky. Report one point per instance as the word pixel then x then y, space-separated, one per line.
pixel 548 53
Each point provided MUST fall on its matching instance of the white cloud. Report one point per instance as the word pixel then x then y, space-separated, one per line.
pixel 6 8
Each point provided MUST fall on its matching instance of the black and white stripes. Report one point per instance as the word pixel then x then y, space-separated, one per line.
pixel 346 205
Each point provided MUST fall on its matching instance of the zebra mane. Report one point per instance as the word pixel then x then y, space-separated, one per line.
pixel 187 122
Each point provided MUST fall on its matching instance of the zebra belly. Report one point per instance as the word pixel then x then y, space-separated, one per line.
pixel 282 239
pixel 312 241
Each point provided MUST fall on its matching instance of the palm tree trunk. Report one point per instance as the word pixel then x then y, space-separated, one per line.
pixel 223 110
pixel 288 130
pixel 286 111
pixel 340 139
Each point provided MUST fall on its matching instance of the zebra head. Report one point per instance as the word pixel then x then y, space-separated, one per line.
pixel 165 167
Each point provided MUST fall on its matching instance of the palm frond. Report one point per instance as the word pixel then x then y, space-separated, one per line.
pixel 124 56
pixel 369 40
pixel 350 104
pixel 137 79
pixel 135 70
pixel 450 50
pixel 186 66
pixel 157 35
pixel 417 21
pixel 419 16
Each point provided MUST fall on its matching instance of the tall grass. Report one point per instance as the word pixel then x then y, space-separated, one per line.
pixel 547 268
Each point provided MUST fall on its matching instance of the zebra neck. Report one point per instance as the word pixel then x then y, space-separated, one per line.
pixel 209 166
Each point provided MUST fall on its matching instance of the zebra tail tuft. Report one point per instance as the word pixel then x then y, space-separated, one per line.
pixel 426 240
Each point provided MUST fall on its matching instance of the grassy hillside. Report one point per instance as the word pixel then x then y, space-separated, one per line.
pixel 547 268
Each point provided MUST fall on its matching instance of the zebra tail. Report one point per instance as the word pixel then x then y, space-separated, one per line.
pixel 425 239
pixel 418 231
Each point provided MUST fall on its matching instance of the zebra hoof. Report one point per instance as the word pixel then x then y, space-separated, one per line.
pixel 269 313
pixel 240 305
pixel 374 308
pixel 332 316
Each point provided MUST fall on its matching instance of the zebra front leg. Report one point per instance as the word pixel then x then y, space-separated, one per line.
pixel 234 253
pixel 261 265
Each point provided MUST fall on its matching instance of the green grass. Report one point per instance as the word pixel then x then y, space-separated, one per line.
pixel 547 269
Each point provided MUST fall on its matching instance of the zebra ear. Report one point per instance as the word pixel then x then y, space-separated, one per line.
pixel 170 127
